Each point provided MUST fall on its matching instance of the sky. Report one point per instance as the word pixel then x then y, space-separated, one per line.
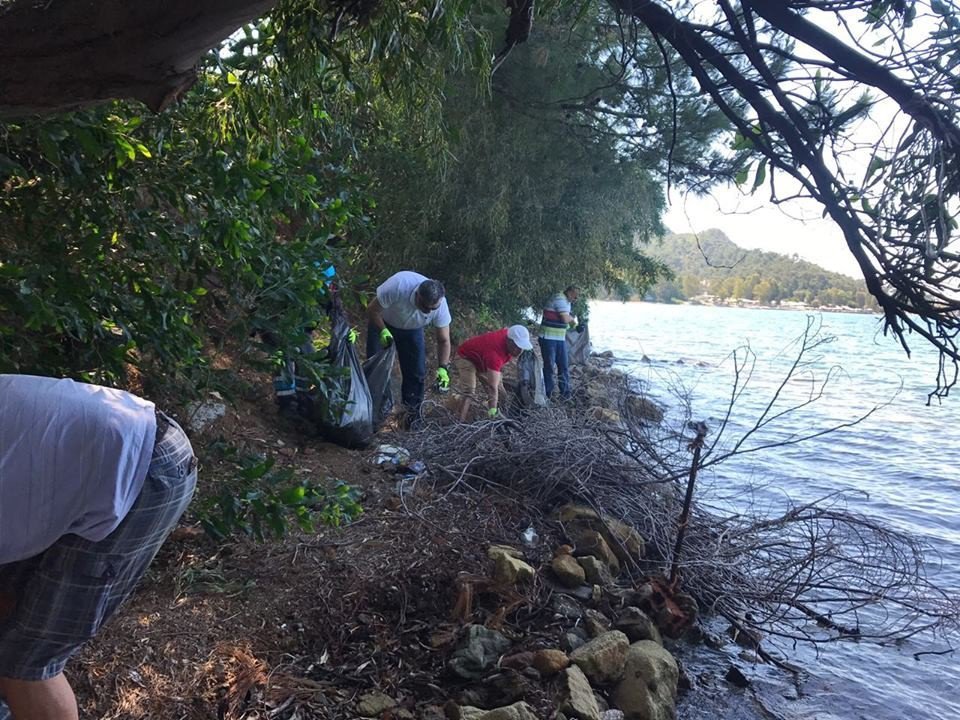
pixel 755 223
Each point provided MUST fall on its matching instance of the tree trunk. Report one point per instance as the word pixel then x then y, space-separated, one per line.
pixel 63 54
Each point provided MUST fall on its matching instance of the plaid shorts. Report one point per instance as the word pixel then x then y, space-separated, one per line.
pixel 64 594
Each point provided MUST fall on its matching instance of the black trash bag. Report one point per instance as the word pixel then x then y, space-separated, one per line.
pixel 377 370
pixel 578 345
pixel 528 392
pixel 341 406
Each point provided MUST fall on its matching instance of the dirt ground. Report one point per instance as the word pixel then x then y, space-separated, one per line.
pixel 300 627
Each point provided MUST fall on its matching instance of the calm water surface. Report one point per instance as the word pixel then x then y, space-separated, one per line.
pixel 904 456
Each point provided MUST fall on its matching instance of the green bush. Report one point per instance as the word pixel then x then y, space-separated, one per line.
pixel 262 501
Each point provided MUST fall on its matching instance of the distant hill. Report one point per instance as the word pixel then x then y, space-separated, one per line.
pixel 720 271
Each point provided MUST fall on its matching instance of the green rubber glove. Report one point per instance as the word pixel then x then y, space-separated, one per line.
pixel 386 337
pixel 492 413
pixel 352 336
pixel 443 379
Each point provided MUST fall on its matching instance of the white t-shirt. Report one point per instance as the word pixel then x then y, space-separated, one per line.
pixel 397 298
pixel 73 458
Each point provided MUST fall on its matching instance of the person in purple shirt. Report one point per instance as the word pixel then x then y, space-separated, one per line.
pixel 92 480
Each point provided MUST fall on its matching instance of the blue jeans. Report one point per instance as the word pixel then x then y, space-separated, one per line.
pixel 554 352
pixel 412 354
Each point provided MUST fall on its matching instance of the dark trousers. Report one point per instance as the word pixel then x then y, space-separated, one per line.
pixel 554 352
pixel 412 353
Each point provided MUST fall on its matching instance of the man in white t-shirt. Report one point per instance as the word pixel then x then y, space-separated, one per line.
pixel 405 304
pixel 92 480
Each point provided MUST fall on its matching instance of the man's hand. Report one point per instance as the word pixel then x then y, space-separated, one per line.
pixel 443 379
pixel 386 337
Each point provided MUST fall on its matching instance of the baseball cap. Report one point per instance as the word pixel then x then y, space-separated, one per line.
pixel 519 334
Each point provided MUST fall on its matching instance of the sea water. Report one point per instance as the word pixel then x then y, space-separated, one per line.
pixel 898 465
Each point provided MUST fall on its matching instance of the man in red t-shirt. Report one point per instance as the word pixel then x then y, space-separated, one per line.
pixel 483 357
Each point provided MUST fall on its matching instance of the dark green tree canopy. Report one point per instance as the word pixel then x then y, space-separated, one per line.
pixel 795 78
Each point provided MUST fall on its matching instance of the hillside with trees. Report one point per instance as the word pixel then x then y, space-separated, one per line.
pixel 710 266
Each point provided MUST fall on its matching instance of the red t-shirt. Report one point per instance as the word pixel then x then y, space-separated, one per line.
pixel 488 351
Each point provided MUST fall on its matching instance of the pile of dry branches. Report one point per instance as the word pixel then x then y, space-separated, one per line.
pixel 815 572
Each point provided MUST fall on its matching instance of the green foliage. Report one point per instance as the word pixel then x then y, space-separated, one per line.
pixel 263 501
pixel 125 238
pixel 737 274
pixel 531 196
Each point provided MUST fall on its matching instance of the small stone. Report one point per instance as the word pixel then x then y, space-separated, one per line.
pixel 572 640
pixel 550 662
pixel 478 652
pixel 596 622
pixel 566 607
pixel 568 571
pixel 591 542
pixel 494 550
pixel 510 570
pixel 517 661
pixel 637 625
pixel 373 704
pixel 433 712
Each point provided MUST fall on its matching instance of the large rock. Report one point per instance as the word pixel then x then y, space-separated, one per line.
pixel 602 659
pixel 579 701
pixel 568 571
pixel 637 625
pixel 648 689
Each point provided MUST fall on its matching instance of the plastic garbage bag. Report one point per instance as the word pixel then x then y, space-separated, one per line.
pixel 391 455
pixel 377 370
pixel 529 391
pixel 578 345
pixel 342 406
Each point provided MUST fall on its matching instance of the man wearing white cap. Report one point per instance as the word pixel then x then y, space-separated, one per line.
pixel 483 357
